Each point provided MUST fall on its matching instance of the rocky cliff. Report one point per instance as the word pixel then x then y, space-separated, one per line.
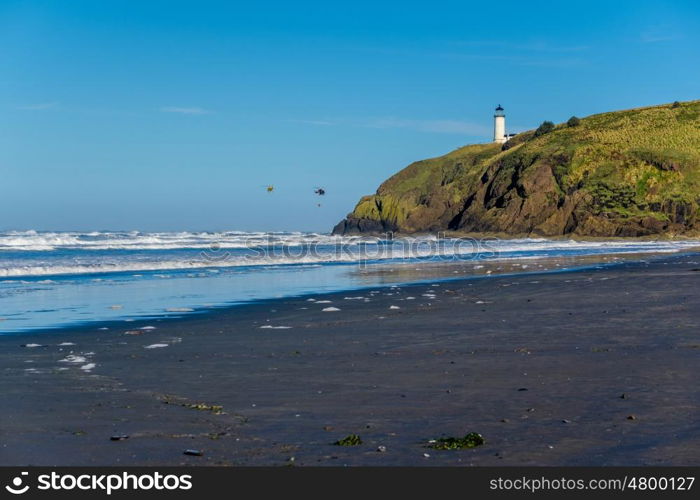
pixel 625 173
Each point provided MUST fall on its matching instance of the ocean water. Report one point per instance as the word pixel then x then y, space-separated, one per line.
pixel 55 279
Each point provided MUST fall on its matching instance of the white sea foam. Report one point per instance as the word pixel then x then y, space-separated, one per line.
pixel 98 252
pixel 73 358
pixel 46 241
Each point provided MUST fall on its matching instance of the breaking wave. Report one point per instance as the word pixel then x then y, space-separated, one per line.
pixel 34 253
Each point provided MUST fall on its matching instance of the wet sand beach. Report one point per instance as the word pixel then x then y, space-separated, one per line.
pixel 594 367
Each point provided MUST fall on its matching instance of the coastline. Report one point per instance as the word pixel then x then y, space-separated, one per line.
pixel 449 361
pixel 52 306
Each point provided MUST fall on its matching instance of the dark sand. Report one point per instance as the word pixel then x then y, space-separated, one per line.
pixel 450 364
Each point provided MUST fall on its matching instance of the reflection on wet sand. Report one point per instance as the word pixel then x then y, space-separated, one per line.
pixel 415 272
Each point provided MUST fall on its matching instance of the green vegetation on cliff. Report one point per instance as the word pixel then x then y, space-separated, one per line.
pixel 624 173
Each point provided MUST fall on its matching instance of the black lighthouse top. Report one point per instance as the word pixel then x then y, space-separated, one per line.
pixel 499 111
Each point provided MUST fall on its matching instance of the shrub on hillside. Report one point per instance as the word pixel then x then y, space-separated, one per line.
pixel 545 128
pixel 574 121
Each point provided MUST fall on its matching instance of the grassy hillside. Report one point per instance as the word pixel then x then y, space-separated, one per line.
pixel 624 173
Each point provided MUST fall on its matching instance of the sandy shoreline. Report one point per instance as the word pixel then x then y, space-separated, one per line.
pixel 535 363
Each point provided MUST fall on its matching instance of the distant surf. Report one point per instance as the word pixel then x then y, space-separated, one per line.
pixel 50 279
pixel 33 253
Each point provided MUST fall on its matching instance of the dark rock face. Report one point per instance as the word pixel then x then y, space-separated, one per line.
pixel 353 225
pixel 531 206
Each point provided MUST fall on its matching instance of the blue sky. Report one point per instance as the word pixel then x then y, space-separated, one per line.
pixel 175 115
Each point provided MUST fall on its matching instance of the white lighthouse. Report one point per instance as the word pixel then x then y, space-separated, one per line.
pixel 499 126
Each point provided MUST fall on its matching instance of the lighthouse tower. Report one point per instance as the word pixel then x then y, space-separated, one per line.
pixel 499 126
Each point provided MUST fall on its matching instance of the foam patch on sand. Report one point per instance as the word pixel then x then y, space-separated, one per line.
pixel 73 358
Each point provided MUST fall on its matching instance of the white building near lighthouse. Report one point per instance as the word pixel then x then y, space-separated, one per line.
pixel 499 126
